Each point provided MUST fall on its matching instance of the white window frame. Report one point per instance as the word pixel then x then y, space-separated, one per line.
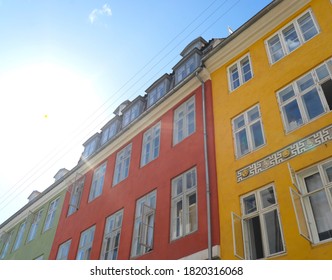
pixel 97 182
pixel 143 235
pixel 239 66
pixel 90 148
pixel 246 127
pixel 34 225
pixel 122 164
pixel 85 245
pixel 109 132
pixel 112 236
pixel 151 144
pixel 282 41
pixel 158 92
pixel 182 122
pixel 185 220
pixel 19 237
pixel 186 68
pixel 240 225
pixel 302 203
pixel 6 245
pixel 132 113
pixel 298 96
pixel 51 214
pixel 63 250
pixel 76 195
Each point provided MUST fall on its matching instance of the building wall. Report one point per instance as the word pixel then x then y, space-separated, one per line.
pixel 41 245
pixel 261 89
pixel 156 175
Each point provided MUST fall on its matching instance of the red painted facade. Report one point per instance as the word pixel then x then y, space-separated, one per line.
pixel 156 175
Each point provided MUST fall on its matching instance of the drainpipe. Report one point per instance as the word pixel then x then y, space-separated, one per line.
pixel 207 178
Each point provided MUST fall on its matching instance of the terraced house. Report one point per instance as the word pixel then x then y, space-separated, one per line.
pixel 272 100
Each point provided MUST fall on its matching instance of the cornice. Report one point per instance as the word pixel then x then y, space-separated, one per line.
pixel 252 31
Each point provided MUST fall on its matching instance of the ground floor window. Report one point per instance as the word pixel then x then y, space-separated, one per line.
pixel 257 234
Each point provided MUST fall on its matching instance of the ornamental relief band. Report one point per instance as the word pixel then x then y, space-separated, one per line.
pixel 306 144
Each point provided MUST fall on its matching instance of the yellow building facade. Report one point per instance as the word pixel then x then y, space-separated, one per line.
pixel 272 94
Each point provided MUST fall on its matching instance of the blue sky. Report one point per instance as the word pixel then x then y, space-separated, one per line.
pixel 65 65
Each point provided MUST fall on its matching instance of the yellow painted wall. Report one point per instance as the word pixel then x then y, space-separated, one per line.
pixel 262 89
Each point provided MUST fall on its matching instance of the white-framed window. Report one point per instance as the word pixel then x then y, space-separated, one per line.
pixel 109 132
pixel 157 93
pixel 292 36
pixel 36 218
pixel 144 225
pixel 122 164
pixel 313 202
pixel 90 148
pixel 129 115
pixel 97 182
pixel 51 214
pixel 76 191
pixel 248 131
pixel 19 236
pixel 186 69
pixel 63 250
pixel 184 121
pixel 85 245
pixel 184 204
pixel 257 234
pixel 112 235
pixel 7 239
pixel 151 144
pixel 240 72
pixel 307 98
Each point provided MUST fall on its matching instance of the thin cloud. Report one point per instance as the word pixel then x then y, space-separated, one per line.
pixel 105 10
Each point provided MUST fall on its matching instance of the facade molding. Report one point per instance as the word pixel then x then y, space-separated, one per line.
pixel 304 145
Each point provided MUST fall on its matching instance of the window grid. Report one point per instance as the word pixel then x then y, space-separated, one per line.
pixel 292 36
pixel 144 225
pixel 75 196
pixel 51 214
pixel 248 131
pixel 240 72
pixel 151 144
pixel 34 225
pixel 306 98
pixel 262 231
pixel 85 245
pixel 184 204
pixel 63 250
pixel 19 236
pixel 122 165
pixel 112 234
pixel 184 120
pixel 97 182
pixel 5 247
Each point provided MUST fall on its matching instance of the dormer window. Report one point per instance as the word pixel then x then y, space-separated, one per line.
pixel 90 146
pixel 131 112
pixel 158 89
pixel 186 67
pixel 110 130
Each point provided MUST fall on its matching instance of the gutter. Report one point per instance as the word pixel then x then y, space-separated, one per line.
pixel 207 178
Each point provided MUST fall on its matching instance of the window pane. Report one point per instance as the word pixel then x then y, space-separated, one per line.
pixel 328 171
pixel 322 72
pixel 254 238
pixel 286 94
pixel 249 204
pixel 246 70
pixel 267 197
pixel 291 38
pixel 313 104
pixel 273 232
pixel 257 134
pixel 307 26
pixel 235 79
pixel 322 214
pixel 239 122
pixel 313 182
pixel 275 48
pixel 242 142
pixel 253 114
pixel 292 115
pixel 305 82
pixel 192 216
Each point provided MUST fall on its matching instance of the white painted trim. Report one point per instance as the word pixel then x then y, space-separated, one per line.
pixel 203 255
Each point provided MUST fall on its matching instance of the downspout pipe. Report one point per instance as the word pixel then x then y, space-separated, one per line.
pixel 207 178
